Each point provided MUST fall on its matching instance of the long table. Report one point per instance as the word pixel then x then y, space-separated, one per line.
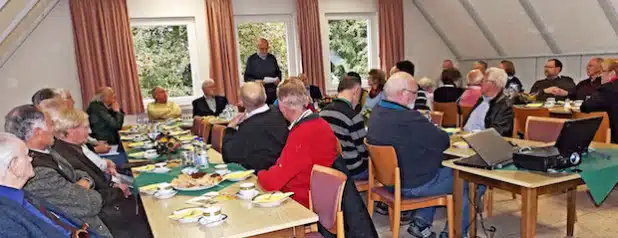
pixel 287 220
pixel 528 184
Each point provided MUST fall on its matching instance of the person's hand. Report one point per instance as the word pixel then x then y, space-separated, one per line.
pixel 115 106
pixel 549 90
pixel 259 81
pixel 236 120
pixel 83 183
pixel 125 189
pixel 560 92
pixel 111 167
pixel 277 82
pixel 102 148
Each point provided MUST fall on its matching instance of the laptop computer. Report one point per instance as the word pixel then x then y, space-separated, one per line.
pixel 575 137
pixel 492 151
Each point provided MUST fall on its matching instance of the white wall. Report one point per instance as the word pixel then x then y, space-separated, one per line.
pixel 45 59
pixel 423 45
pixel 529 70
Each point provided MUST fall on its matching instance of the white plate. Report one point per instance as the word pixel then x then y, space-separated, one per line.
pixel 194 188
pixel 223 172
pixel 189 220
pixel 208 223
pixel 273 203
pixel 161 170
pixel 165 196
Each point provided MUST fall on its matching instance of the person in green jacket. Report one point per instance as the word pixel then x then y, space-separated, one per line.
pixel 105 116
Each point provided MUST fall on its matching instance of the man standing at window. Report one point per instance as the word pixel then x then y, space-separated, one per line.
pixel 263 67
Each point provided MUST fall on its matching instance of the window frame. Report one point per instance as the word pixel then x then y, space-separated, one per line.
pixel 372 43
pixel 291 39
pixel 189 22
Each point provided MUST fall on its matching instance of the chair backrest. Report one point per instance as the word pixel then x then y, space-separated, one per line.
pixel 218 131
pixel 339 148
pixel 206 131
pixel 602 134
pixel 326 188
pixel 198 127
pixel 436 117
pixel 544 129
pixel 464 113
pixel 520 117
pixel 383 160
pixel 450 113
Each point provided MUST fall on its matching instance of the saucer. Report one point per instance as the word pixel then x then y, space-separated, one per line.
pixel 208 223
pixel 246 197
pixel 161 170
pixel 223 172
pixel 165 196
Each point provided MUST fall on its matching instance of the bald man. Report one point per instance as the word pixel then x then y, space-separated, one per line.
pixel 105 116
pixel 256 137
pixel 162 109
pixel 419 145
pixel 263 67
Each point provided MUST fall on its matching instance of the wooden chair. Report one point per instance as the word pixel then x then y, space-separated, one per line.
pixel 603 134
pixel 384 168
pixel 437 117
pixel 325 196
pixel 521 114
pixel 206 131
pixel 450 113
pixel 361 185
pixel 198 127
pixel 464 113
pixel 544 129
pixel 218 131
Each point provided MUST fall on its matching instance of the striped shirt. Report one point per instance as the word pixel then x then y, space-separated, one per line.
pixel 349 127
pixel 421 102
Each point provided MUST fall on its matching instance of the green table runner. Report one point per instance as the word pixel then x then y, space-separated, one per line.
pixel 145 178
pixel 600 174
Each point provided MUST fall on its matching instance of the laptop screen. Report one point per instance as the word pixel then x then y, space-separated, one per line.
pixel 576 135
pixel 490 146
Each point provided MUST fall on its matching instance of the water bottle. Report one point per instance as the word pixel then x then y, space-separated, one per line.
pixel 200 158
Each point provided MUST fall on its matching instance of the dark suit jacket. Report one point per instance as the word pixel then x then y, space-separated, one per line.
pixel 447 94
pixel 315 93
pixel 123 216
pixel 200 107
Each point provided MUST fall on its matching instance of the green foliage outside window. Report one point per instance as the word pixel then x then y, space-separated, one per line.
pixel 347 40
pixel 274 32
pixel 162 55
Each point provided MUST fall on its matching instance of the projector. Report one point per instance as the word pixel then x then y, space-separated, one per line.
pixel 545 159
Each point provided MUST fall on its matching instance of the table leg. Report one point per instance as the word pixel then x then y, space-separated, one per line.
pixel 571 213
pixel 472 208
pixel 299 232
pixel 528 212
pixel 458 184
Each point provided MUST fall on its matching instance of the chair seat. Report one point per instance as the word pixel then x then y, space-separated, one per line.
pixel 390 197
pixel 314 235
pixel 361 185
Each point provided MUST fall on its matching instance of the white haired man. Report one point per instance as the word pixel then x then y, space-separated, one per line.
pixel 55 179
pixel 419 145
pixel 261 133
pixel 210 104
pixel 263 67
pixel 24 215
pixel 311 141
pixel 473 92
pixel 493 109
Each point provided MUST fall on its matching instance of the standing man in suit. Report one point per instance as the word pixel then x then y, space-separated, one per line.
pixel 210 104
pixel 262 67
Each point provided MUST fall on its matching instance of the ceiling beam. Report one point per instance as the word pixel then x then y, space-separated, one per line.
pixel 17 19
pixel 2 3
pixel 540 26
pixel 610 12
pixel 449 44
pixel 476 17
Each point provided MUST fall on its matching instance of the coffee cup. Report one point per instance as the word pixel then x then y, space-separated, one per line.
pixel 552 100
pixel 578 103
pixel 150 153
pixel 161 165
pixel 212 213
pixel 165 189
pixel 221 168
pixel 247 189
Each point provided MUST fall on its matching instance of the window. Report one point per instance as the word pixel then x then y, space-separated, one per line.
pixel 275 29
pixel 352 46
pixel 164 54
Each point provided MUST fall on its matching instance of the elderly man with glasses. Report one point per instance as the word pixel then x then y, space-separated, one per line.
pixel 419 145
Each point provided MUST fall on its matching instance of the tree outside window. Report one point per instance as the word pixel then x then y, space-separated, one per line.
pixel 348 43
pixel 162 55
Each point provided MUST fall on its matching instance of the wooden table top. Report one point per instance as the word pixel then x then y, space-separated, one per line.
pixel 522 178
pixel 243 220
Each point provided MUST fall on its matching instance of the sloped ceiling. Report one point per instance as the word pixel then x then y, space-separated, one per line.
pixel 18 18
pixel 490 29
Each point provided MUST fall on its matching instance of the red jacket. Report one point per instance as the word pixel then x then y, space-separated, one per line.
pixel 310 142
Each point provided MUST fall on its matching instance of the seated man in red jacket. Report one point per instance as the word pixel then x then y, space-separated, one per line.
pixel 311 141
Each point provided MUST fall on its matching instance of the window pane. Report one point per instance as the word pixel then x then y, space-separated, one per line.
pixel 162 54
pixel 274 32
pixel 348 43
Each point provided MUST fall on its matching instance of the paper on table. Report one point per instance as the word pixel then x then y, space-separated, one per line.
pixel 270 79
pixel 112 151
